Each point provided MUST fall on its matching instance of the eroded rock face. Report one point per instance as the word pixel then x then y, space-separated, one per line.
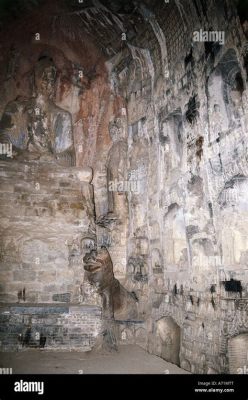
pixel 162 116
pixel 118 303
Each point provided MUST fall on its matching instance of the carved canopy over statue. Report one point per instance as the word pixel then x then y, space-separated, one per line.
pixel 36 127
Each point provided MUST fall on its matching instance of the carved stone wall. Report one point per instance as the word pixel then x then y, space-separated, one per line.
pixel 47 212
pixel 162 120
pixel 188 146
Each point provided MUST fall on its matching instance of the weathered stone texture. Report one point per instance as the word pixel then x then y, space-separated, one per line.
pixel 43 226
pixel 63 327
pixel 162 121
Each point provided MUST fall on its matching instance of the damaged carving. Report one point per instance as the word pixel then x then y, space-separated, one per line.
pixel 117 302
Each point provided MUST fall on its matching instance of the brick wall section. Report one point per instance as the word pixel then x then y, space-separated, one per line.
pixel 64 327
pixel 44 210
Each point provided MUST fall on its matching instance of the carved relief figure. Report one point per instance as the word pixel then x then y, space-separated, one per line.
pixel 116 166
pixel 36 127
pixel 118 303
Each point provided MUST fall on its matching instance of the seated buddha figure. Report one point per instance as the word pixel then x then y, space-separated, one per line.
pixel 36 127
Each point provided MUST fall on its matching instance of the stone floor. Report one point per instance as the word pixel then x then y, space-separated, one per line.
pixel 129 360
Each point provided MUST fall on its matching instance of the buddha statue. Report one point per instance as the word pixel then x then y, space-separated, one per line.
pixel 36 127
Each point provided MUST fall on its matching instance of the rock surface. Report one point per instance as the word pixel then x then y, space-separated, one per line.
pixel 161 119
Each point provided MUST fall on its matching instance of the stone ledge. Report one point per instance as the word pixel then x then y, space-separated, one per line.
pixel 45 308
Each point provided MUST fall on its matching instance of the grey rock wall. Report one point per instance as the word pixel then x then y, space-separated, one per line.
pixel 163 124
pixel 187 143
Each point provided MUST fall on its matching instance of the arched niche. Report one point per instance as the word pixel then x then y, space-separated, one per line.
pixel 169 334
pixel 238 354
pixel 224 91
pixel 157 262
pixel 137 268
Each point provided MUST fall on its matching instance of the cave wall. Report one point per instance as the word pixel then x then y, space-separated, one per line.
pixel 165 117
pixel 187 149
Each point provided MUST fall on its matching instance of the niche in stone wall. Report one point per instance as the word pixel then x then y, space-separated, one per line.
pixel 169 334
pixel 157 262
pixel 137 262
pixel 157 275
pixel 224 90
pixel 238 354
pixel 171 135
pixel 137 268
pixel 175 243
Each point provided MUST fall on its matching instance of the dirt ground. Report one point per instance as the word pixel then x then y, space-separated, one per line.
pixel 129 359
